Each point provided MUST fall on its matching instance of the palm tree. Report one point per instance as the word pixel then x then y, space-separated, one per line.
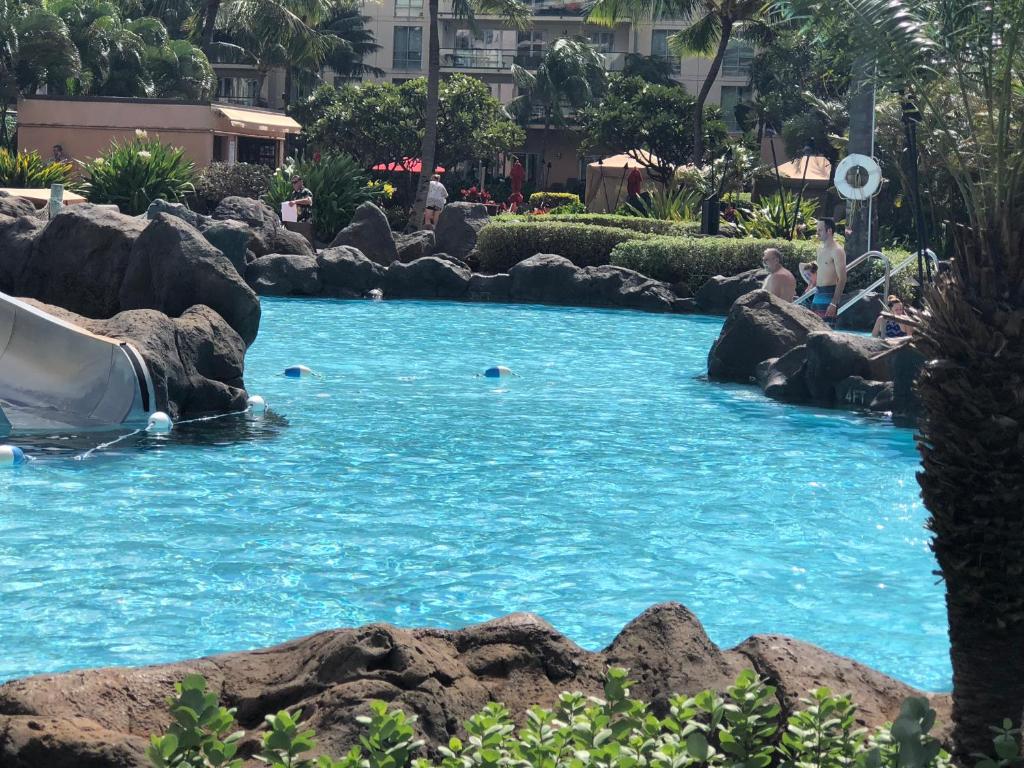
pixel 960 64
pixel 351 41
pixel 571 75
pixel 711 25
pixel 515 14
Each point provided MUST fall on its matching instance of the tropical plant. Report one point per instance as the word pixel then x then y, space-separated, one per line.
pixel 959 66
pixel 570 76
pixel 711 25
pixel 27 170
pixel 219 180
pixel 674 203
pixel 134 173
pixel 339 186
pixel 777 216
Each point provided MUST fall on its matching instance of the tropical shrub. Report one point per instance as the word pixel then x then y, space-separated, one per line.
pixel 133 174
pixel 741 729
pixel 27 170
pixel 474 194
pixel 632 223
pixel 339 186
pixel 569 208
pixel 772 216
pixel 220 180
pixel 552 199
pixel 503 244
pixel 679 204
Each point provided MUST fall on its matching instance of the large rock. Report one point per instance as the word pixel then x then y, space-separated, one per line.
pixel 490 287
pixel 346 273
pixel 759 326
pixel 428 278
pixel 458 226
pixel 613 286
pixel 17 236
pixel 719 293
pixel 230 238
pixel 862 315
pixel 415 245
pixel 545 278
pixel 100 717
pixel 80 259
pixel 783 378
pixel 173 267
pixel 833 357
pixel 371 233
pixel 16 206
pixel 284 275
pixel 183 212
pixel 196 361
pixel 268 233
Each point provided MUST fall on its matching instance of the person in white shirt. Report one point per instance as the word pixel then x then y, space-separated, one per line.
pixel 437 196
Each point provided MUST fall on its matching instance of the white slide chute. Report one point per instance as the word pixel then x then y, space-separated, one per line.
pixel 58 377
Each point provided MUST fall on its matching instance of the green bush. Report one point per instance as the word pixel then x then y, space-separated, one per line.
pixel 502 244
pixel 339 186
pixel 552 199
pixel 741 729
pixel 133 174
pixel 220 180
pixel 693 260
pixel 772 216
pixel 574 207
pixel 633 223
pixel 27 170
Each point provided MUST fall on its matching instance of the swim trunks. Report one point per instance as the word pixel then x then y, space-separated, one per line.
pixel 822 299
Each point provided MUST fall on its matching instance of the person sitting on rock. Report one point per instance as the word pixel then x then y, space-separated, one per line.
pixel 780 281
pixel 886 327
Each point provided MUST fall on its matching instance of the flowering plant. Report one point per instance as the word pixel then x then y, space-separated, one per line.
pixel 474 195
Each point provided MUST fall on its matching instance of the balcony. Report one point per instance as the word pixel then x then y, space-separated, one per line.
pixel 557 9
pixel 501 60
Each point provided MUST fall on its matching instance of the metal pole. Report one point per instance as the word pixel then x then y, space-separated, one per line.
pixel 808 149
pixel 770 133
pixel 910 116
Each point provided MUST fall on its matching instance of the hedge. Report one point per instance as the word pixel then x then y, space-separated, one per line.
pixel 552 199
pixel 502 244
pixel 634 223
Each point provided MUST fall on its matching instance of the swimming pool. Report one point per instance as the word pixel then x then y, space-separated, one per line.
pixel 403 487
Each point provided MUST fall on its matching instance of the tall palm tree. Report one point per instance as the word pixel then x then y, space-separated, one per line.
pixel 351 41
pixel 960 63
pixel 711 24
pixel 515 13
pixel 570 76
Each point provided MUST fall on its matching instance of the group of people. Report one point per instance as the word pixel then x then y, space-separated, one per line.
pixel 826 278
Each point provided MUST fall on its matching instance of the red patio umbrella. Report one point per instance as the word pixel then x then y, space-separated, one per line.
pixel 408 165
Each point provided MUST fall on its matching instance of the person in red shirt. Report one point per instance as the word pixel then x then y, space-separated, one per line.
pixel 517 175
pixel 634 183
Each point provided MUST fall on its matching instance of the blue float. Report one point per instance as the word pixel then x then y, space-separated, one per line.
pixel 11 456
pixel 497 371
pixel 297 371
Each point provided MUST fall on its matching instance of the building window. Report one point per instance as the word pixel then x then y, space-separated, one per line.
pixel 602 42
pixel 406 8
pixel 732 97
pixel 659 47
pixel 737 60
pixel 408 53
pixel 239 90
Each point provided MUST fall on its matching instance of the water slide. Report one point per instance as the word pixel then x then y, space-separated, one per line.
pixel 57 377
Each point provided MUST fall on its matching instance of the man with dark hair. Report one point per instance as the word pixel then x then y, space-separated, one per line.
pixel 59 155
pixel 831 273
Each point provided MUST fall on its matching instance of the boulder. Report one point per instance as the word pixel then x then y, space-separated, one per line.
pixel 16 206
pixel 427 278
pixel 545 278
pixel 684 306
pixel 345 272
pixel 782 378
pixel 173 267
pixel 371 233
pixel 17 236
pixel 284 275
pixel 609 285
pixel 458 226
pixel 759 326
pixel 832 357
pixel 80 258
pixel 268 233
pixel 905 364
pixel 415 245
pixel 862 315
pixel 858 393
pixel 196 361
pixel 230 238
pixel 719 293
pixel 490 287
pixel 183 212
pixel 442 676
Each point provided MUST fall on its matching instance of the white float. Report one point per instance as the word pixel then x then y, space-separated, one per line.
pixel 159 423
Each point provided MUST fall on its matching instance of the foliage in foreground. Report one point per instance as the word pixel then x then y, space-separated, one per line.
pixel 133 174
pixel 503 244
pixel 742 729
pixel 219 180
pixel 27 170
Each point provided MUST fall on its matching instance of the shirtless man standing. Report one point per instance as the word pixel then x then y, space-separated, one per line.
pixel 831 273
pixel 780 281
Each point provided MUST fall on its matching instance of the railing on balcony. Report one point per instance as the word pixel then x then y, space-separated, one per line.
pixel 503 59
pixel 550 8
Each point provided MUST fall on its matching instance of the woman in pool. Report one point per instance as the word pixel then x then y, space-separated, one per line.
pixel 888 328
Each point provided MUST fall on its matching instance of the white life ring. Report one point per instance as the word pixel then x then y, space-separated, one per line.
pixel 869 188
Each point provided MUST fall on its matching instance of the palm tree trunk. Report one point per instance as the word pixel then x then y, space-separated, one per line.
pixel 705 89
pixel 972 478
pixel 209 22
pixel 429 148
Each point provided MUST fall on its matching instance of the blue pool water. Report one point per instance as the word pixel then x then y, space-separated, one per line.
pixel 404 487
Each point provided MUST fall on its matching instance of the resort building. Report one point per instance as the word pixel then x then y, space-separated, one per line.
pixel 400 27
pixel 208 132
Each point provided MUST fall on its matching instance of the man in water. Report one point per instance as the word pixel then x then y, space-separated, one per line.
pixel 780 281
pixel 831 273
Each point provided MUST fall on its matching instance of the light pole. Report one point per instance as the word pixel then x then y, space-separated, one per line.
pixel 911 117
pixel 807 152
pixel 769 131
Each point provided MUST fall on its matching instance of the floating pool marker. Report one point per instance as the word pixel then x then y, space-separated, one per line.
pixel 257 405
pixel 497 371
pixel 11 456
pixel 297 371
pixel 375 295
pixel 159 423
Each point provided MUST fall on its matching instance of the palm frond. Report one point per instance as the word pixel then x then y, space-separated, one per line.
pixel 700 37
